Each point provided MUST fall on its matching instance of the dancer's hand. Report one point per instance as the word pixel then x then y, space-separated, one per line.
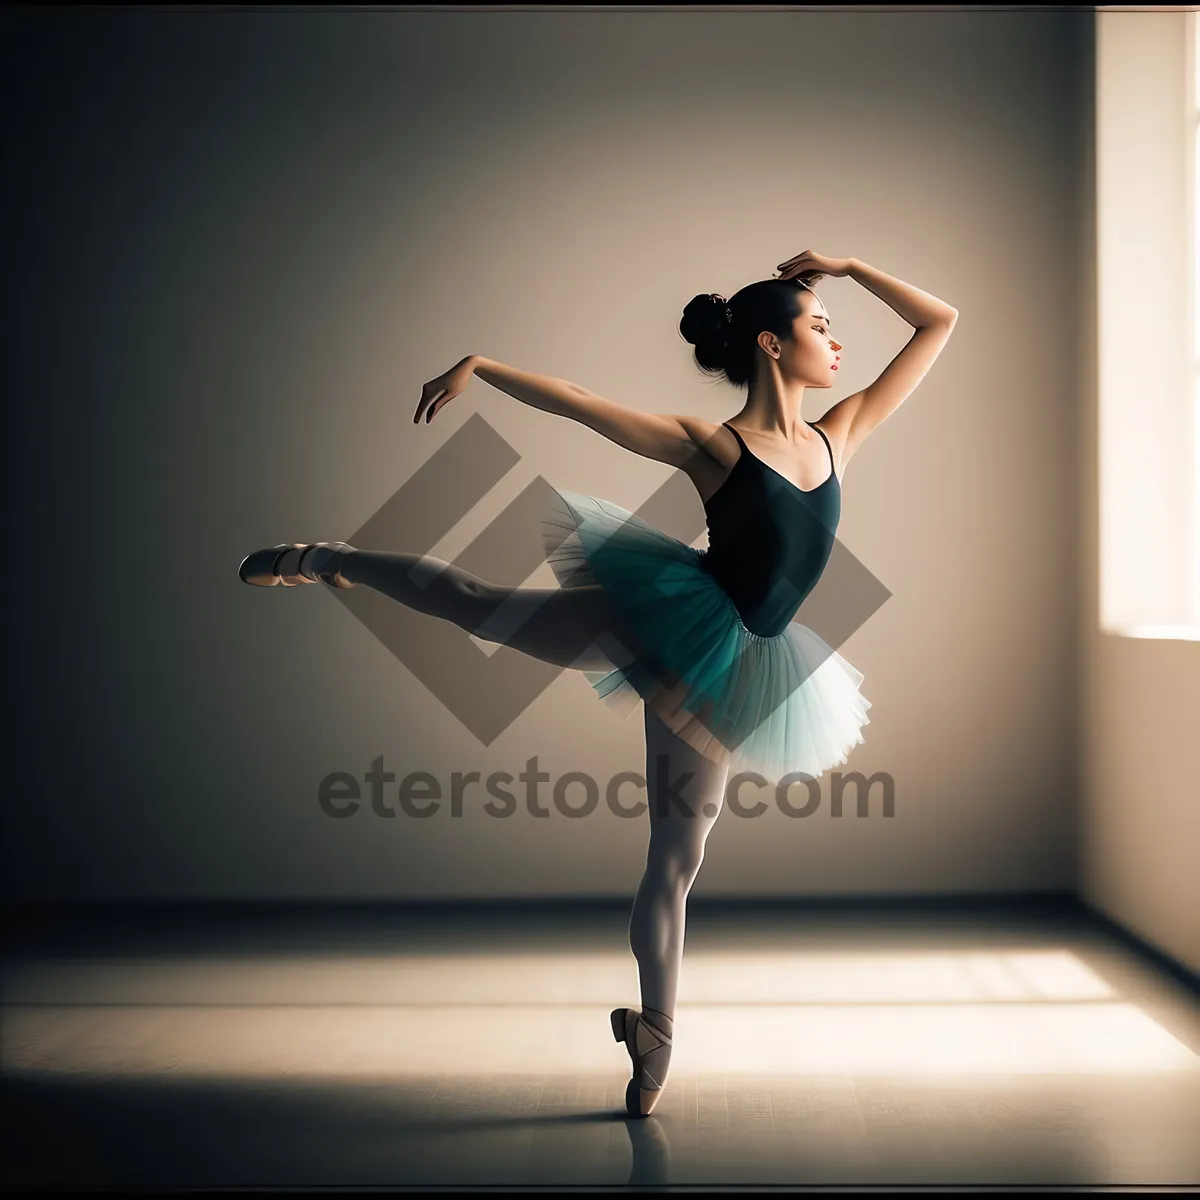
pixel 809 267
pixel 437 393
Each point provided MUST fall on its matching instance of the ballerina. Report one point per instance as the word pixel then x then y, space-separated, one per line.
pixel 704 639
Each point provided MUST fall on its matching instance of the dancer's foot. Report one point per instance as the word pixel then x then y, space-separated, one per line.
pixel 291 565
pixel 647 1036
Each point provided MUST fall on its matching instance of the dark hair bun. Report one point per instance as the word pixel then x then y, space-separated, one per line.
pixel 725 341
pixel 706 327
pixel 703 319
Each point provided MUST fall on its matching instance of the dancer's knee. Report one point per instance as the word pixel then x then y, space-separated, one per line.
pixel 471 600
pixel 562 626
pixel 674 868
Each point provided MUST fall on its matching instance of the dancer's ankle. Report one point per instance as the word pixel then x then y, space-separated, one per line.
pixel 343 565
pixel 327 560
pixel 346 568
pixel 663 1022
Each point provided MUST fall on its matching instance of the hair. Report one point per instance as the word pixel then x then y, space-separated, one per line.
pixel 729 348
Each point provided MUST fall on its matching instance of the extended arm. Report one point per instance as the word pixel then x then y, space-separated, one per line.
pixel 663 437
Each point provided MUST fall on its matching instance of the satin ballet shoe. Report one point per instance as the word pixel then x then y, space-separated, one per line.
pixel 279 566
pixel 650 1052
pixel 263 567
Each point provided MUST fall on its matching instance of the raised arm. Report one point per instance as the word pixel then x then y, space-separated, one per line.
pixel 852 420
pixel 666 438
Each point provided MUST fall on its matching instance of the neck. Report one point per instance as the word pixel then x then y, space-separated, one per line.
pixel 774 406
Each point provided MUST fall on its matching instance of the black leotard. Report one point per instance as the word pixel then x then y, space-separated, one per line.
pixel 769 540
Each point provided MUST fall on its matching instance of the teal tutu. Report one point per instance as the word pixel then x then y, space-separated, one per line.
pixel 772 705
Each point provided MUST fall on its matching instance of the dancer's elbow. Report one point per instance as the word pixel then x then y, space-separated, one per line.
pixel 663 437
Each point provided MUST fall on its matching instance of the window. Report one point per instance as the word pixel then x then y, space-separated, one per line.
pixel 1148 372
pixel 1193 73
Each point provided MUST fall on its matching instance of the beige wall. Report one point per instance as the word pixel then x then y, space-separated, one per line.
pixel 1140 767
pixel 301 217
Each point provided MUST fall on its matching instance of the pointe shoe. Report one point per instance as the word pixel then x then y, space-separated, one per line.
pixel 317 562
pixel 650 1052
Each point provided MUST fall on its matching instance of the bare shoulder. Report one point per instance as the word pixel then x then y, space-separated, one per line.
pixel 712 440
pixel 714 451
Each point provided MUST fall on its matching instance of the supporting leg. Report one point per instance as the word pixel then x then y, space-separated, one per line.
pixel 686 792
pixel 681 819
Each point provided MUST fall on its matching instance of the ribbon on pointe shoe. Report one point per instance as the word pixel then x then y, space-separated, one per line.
pixel 320 562
pixel 649 1047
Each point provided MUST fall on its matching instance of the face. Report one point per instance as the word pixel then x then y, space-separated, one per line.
pixel 813 354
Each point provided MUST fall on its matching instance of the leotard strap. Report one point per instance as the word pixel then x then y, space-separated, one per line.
pixel 736 435
pixel 827 446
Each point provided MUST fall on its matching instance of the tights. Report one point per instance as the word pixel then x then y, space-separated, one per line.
pixel 566 627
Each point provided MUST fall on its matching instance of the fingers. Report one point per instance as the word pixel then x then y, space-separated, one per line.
pixel 807 275
pixel 792 262
pixel 428 404
pixel 798 266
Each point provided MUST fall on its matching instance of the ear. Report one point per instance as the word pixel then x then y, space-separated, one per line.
pixel 770 343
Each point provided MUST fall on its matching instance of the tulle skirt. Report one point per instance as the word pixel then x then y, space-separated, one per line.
pixel 772 705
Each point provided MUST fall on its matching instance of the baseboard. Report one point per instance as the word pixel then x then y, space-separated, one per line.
pixel 1147 949
pixel 1057 901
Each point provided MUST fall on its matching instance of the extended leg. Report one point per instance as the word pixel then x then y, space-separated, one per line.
pixel 569 627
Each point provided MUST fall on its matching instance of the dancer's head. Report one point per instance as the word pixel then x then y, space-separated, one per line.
pixel 776 326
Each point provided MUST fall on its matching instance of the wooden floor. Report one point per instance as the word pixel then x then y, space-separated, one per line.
pixel 471 1047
